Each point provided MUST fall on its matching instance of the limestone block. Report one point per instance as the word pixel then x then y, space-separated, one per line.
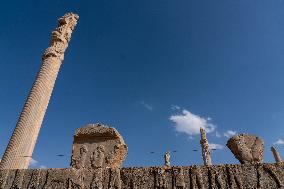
pixel 246 148
pixel 98 146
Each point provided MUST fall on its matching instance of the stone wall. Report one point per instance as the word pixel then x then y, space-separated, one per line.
pixel 192 177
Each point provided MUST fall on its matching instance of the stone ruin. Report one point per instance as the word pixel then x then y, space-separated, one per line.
pixel 246 148
pixel 98 146
pixel 206 154
pixel 22 142
pixel 98 151
pixel 167 158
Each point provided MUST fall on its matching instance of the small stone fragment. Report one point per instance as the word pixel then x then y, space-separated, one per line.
pixel 276 154
pixel 167 157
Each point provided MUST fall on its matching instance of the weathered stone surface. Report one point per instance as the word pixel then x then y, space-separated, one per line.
pixel 250 176
pixel 98 146
pixel 246 148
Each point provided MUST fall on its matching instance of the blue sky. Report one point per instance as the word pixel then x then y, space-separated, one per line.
pixel 155 70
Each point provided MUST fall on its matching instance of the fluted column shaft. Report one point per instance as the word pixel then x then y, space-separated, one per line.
pixel 21 145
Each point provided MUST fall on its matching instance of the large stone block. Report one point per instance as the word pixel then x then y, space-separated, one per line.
pixel 98 146
pixel 246 148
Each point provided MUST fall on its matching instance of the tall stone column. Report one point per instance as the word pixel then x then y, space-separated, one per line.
pixel 21 145
pixel 205 148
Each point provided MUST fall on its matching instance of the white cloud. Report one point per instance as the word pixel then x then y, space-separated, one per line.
pixel 190 137
pixel 189 123
pixel 147 106
pixel 217 134
pixel 34 164
pixel 175 107
pixel 230 133
pixel 279 142
pixel 215 146
pixel 42 167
